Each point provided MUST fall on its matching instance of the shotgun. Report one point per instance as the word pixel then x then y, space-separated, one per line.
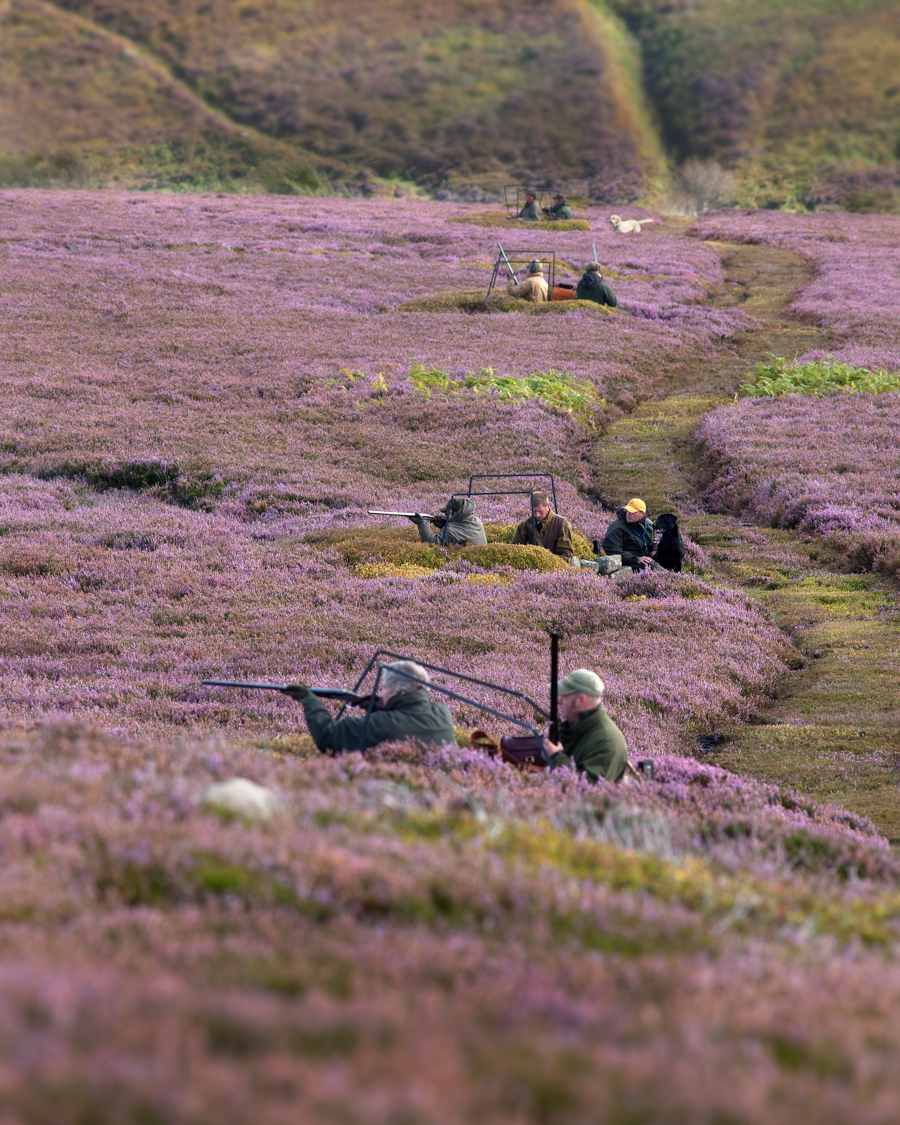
pixel 406 515
pixel 321 692
pixel 594 252
pixel 512 272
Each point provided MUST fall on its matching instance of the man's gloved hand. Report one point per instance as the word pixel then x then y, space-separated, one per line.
pixel 297 691
pixel 416 519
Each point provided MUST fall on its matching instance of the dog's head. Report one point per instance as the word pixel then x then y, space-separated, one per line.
pixel 614 220
pixel 667 523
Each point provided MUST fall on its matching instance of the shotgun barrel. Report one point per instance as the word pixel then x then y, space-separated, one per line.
pixel 554 686
pixel 321 692
pixel 512 272
pixel 406 515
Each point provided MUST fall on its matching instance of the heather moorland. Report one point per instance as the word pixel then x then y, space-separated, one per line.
pixel 202 397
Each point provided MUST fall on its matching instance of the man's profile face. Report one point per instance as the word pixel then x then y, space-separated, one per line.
pixel 529 198
pixel 634 517
pixel 541 511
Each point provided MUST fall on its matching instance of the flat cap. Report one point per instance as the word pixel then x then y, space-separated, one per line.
pixel 583 680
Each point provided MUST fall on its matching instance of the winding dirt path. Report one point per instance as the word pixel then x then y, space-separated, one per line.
pixel 833 730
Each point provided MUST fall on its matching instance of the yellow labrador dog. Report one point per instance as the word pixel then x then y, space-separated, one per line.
pixel 627 226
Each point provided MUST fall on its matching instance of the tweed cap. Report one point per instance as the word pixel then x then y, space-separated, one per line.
pixel 583 680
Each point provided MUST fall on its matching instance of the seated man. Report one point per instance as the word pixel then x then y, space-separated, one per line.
pixel 533 288
pixel 560 209
pixel 631 536
pixel 459 527
pixel 547 530
pixel 530 210
pixel 406 711
pixel 592 287
pixel 588 738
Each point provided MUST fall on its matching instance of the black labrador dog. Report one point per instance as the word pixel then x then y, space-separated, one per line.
pixel 670 549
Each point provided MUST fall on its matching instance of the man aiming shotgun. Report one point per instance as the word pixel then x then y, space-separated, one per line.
pixel 403 709
pixel 458 526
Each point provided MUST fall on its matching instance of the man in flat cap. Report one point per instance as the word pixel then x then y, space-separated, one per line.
pixel 546 529
pixel 533 288
pixel 631 536
pixel 588 738
pixel 530 211
pixel 560 208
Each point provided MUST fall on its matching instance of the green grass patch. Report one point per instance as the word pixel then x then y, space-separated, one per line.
pixel 556 389
pixel 501 219
pixel 478 301
pixel 820 377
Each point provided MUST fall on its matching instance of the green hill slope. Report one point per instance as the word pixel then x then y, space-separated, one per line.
pixel 445 94
pixel 802 95
pixel 82 105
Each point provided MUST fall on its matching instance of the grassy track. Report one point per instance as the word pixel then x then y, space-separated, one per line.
pixel 832 732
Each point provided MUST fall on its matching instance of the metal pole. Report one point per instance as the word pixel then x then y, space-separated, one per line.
pixel 554 686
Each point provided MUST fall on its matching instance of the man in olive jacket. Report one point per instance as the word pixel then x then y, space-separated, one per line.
pixel 588 738
pixel 560 209
pixel 547 529
pixel 407 712
pixel 631 536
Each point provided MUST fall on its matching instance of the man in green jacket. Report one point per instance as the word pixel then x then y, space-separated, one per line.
pixel 560 209
pixel 592 287
pixel 530 211
pixel 588 738
pixel 405 711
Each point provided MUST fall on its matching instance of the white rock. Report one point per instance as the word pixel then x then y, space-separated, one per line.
pixel 243 798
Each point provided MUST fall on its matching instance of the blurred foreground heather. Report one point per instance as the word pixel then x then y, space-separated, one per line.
pixel 435 939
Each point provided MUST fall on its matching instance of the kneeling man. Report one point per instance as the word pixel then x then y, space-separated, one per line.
pixel 547 529
pixel 405 711
pixel 588 738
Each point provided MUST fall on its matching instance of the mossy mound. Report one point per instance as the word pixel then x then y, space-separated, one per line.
pixel 477 301
pixel 503 533
pixel 397 552
pixel 500 219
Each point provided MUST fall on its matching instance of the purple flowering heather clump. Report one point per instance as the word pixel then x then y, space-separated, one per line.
pixel 825 465
pixel 855 290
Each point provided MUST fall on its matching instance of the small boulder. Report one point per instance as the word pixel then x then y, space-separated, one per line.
pixel 609 564
pixel 243 798
pixel 622 573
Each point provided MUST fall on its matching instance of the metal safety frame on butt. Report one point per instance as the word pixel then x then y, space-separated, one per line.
pixel 509 261
pixel 529 492
pixel 451 694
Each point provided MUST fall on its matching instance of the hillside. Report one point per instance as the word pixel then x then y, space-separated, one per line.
pixel 604 96
pixel 446 94
pixel 802 95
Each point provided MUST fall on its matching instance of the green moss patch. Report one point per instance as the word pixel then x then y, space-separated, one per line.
pixel 477 301
pixel 397 552
pixel 500 219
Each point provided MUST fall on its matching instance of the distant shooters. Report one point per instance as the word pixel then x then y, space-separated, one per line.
pixel 533 288
pixel 546 529
pixel 458 527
